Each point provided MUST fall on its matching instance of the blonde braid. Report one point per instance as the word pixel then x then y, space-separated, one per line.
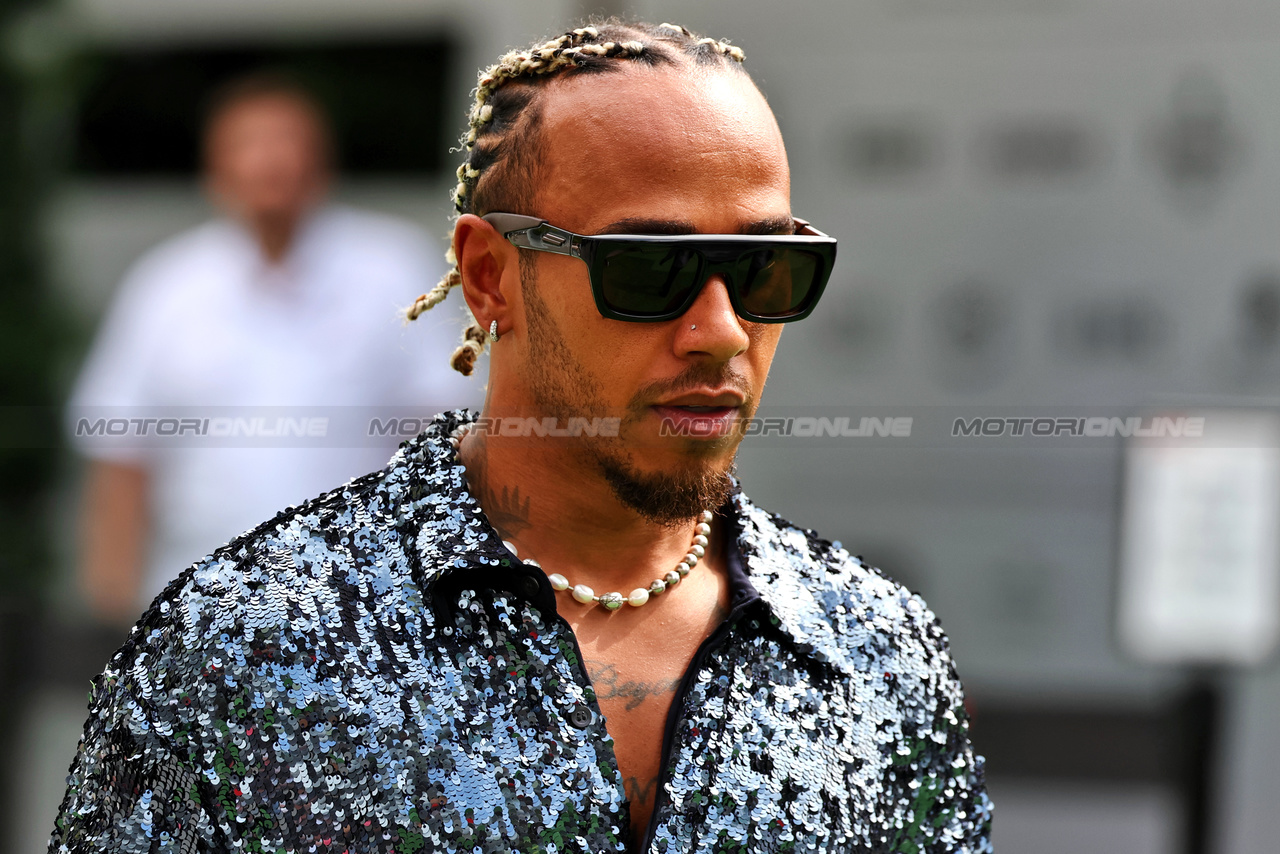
pixel 558 54
pixel 581 48
pixel 435 296
pixel 464 358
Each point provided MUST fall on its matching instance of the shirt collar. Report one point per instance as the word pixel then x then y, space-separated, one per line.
pixel 800 580
pixel 310 239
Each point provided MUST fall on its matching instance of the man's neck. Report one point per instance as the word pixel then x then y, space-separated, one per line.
pixel 563 514
pixel 274 236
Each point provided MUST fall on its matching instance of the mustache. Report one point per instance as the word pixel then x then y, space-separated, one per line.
pixel 692 378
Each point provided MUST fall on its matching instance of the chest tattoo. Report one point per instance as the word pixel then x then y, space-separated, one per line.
pixel 610 686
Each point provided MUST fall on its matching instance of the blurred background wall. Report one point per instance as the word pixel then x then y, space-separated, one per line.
pixel 1062 206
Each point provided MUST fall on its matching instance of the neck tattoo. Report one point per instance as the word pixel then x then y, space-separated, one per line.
pixel 613 601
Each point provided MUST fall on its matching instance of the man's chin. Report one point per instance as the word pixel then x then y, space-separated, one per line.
pixel 670 496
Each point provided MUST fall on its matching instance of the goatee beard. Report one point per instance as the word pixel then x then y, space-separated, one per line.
pixel 663 498
pixel 563 388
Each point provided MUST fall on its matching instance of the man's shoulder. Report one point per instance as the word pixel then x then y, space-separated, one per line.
pixel 790 554
pixel 371 233
pixel 172 275
pixel 367 221
pixel 851 613
pixel 216 240
pixel 293 584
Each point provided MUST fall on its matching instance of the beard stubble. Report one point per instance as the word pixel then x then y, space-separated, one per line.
pixel 563 388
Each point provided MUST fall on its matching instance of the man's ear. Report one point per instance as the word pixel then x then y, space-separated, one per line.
pixel 485 258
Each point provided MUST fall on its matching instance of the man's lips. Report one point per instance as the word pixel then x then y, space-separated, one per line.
pixel 682 412
pixel 717 399
pixel 705 415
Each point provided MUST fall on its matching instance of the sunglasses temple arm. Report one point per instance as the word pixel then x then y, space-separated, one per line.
pixel 530 232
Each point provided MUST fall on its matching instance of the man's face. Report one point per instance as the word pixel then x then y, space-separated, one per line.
pixel 654 151
pixel 265 158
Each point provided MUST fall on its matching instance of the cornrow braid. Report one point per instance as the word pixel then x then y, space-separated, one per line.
pixel 498 174
pixel 464 358
pixel 436 295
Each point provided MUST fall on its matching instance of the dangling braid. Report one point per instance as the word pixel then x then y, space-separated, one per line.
pixel 498 175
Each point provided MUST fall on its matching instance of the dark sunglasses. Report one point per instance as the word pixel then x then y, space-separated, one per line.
pixel 649 278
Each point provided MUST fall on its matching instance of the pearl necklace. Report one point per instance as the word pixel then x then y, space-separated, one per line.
pixel 639 596
pixel 613 601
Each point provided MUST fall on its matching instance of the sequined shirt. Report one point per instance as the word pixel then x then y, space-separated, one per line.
pixel 373 671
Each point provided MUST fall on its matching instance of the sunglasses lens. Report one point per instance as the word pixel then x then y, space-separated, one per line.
pixel 656 280
pixel 648 280
pixel 776 282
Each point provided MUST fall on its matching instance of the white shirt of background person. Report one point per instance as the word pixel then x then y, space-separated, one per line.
pixel 287 308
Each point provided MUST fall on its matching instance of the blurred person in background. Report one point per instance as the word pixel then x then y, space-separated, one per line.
pixel 285 301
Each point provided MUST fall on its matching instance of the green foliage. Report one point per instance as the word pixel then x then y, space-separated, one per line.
pixel 31 335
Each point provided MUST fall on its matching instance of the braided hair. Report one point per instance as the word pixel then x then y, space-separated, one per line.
pixel 501 140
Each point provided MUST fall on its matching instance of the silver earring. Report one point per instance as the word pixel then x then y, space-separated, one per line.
pixel 493 330
pixel 694 326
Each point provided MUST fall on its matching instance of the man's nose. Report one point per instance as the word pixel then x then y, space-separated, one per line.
pixel 711 327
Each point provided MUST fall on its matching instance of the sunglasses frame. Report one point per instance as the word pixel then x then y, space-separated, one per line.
pixel 531 232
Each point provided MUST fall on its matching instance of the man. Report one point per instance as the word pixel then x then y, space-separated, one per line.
pixel 563 638
pixel 286 302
